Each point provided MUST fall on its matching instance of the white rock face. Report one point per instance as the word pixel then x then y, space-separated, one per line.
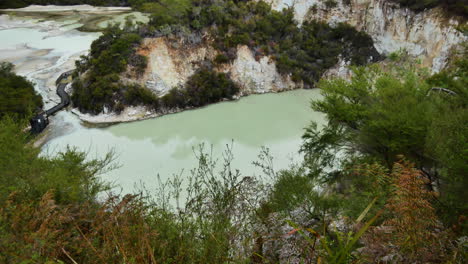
pixel 170 67
pixel 426 35
pixel 257 76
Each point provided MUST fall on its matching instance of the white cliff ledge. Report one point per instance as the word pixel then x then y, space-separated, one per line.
pixel 428 35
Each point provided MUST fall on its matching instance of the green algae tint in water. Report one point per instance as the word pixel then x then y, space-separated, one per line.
pixel 164 145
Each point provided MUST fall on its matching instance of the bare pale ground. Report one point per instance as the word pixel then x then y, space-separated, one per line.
pixel 79 8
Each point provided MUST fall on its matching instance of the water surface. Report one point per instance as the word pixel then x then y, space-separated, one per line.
pixel 165 145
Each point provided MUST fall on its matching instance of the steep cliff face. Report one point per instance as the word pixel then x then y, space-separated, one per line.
pixel 170 65
pixel 257 76
pixel 428 35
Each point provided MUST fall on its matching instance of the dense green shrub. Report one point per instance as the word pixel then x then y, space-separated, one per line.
pixel 386 112
pixel 73 177
pixel 99 93
pixel 206 86
pixel 304 52
pixel 17 95
pixel 109 56
pixel 457 7
pixel 137 95
pixel 330 3
pixel 202 88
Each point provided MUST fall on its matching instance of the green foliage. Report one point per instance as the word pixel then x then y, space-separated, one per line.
pixel 456 7
pixel 30 175
pixel 340 246
pixel 164 11
pixel 376 113
pixel 221 59
pixel 202 88
pixel 446 140
pixel 330 3
pixel 290 191
pixel 101 87
pixel 136 95
pixel 294 189
pixel 384 112
pixel 365 182
pixel 303 52
pixel 17 95
pixel 206 87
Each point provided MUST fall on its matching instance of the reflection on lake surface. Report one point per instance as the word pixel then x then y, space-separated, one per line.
pixel 165 145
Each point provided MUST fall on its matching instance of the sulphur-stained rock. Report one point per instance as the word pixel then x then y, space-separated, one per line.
pixel 428 35
pixel 257 76
pixel 170 67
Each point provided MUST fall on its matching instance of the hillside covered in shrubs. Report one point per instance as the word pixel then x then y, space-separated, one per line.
pixel 456 7
pixel 17 95
pixel 303 52
pixel 396 193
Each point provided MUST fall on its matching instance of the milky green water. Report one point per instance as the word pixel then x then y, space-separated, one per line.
pixel 164 145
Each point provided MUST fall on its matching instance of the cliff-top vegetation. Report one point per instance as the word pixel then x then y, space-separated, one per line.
pixel 302 52
pixel 17 95
pixel 454 7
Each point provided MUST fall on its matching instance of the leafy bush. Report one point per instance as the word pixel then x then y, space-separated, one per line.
pixel 136 95
pixel 456 7
pixel 100 86
pixel 203 87
pixel 24 171
pixel 17 95
pixel 206 86
pixel 382 113
pixel 330 4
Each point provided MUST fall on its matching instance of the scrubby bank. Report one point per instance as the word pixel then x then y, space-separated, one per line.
pixel 17 95
pixel 456 7
pixel 386 112
pixel 302 52
pixel 396 191
pixel 99 85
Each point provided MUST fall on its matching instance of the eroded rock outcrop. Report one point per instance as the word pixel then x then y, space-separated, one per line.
pixel 428 35
pixel 170 66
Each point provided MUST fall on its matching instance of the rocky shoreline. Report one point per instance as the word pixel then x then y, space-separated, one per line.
pixel 253 75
